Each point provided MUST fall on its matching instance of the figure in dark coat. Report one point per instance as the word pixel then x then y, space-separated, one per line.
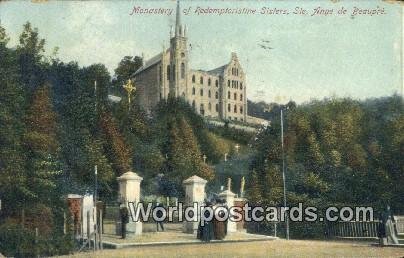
pixel 219 226
pixel 124 220
pixel 205 232
pixel 160 214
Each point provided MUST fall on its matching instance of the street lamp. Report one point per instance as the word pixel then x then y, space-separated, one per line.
pixel 283 178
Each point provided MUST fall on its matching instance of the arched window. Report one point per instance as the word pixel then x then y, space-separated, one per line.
pixel 217 107
pixel 210 106
pixel 228 107
pixel 182 70
pixel 241 110
pixel 235 96
pixel 228 83
pixel 217 95
pixel 168 72
pixel 241 85
pixel 236 84
pixel 241 97
pixel 235 109
pixel 193 90
pixel 209 82
pixel 237 72
pixel 217 83
pixel 174 72
pixel 201 80
pixel 193 78
pixel 228 94
pixel 209 95
pixel 202 110
pixel 201 92
pixel 193 104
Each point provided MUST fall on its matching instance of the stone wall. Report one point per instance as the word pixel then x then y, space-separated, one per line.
pixel 147 87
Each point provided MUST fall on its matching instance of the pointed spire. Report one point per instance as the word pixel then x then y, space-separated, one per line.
pixel 178 20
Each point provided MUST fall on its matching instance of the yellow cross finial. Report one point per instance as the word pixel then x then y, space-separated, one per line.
pixel 129 87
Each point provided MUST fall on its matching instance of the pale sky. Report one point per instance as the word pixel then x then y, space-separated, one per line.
pixel 312 57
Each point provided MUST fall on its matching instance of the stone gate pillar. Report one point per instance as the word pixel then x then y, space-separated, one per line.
pixel 228 196
pixel 129 191
pixel 194 193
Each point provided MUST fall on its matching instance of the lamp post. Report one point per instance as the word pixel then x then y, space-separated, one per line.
pixel 129 87
pixel 284 179
pixel 95 184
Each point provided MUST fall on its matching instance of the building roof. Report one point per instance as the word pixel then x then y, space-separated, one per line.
pixel 152 61
pixel 218 70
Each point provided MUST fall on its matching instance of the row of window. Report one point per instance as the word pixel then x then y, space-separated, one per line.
pixel 201 81
pixel 234 96
pixel 202 108
pixel 235 84
pixel 171 73
pixel 209 93
pixel 234 108
pixel 217 94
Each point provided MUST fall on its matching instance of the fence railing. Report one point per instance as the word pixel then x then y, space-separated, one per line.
pixel 353 229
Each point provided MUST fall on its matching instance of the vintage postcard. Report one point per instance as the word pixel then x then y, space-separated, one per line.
pixel 201 128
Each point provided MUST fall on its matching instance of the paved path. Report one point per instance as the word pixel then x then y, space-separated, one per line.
pixel 175 238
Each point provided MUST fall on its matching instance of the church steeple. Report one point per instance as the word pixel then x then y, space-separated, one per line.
pixel 178 26
pixel 178 59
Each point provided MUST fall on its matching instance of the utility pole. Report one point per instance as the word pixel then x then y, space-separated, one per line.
pixel 284 179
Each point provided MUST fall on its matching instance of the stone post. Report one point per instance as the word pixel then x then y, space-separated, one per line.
pixel 228 196
pixel 194 193
pixel 129 191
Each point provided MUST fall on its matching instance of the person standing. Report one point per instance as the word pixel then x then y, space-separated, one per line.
pixel 206 231
pixel 124 220
pixel 219 221
pixel 390 232
pixel 160 214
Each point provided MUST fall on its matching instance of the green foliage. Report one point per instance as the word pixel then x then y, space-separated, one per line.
pixel 184 157
pixel 125 70
pixel 338 151
pixel 19 241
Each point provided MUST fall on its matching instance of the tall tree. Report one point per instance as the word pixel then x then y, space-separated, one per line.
pixel 13 178
pixel 30 56
pixel 42 147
